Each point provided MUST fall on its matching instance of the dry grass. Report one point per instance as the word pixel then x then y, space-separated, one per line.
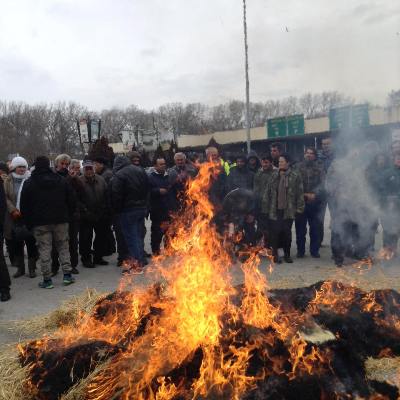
pixel 384 370
pixel 66 314
pixel 78 391
pixel 12 376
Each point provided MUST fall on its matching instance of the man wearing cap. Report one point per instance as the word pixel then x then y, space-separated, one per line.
pixel 95 215
pixel 46 204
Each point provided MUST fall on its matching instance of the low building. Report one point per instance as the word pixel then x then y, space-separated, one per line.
pixel 381 125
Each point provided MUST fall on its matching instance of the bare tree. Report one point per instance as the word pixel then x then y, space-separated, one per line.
pixel 393 99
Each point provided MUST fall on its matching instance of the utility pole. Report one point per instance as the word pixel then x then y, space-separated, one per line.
pixel 246 65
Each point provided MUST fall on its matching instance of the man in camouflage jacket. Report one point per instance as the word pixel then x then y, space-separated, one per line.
pixel 313 177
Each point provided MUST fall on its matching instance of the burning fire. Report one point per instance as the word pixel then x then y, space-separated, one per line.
pixel 196 336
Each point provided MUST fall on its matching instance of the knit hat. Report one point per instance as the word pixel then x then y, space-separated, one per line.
pixel 18 162
pixel 41 162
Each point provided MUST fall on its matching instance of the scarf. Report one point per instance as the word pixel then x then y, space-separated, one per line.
pixel 282 189
pixel 18 183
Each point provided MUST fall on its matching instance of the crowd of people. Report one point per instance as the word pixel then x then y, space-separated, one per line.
pixel 89 211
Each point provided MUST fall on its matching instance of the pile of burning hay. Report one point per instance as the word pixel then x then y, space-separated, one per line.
pixel 200 337
pixel 293 357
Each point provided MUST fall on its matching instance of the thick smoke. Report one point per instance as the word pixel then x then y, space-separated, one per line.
pixel 353 194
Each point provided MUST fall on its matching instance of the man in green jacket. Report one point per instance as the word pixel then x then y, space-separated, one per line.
pixel 261 181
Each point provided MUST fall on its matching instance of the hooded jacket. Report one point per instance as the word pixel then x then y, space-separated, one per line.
pixel 106 174
pixel 129 186
pixel 253 154
pixel 240 177
pixel 46 199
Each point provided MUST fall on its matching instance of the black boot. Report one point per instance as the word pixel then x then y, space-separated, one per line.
pixel 99 261
pixel 287 257
pixel 32 267
pixel 20 263
pixel 5 295
pixel 87 262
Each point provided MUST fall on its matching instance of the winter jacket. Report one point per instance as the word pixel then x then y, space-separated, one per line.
pixel 11 200
pixel 313 177
pixel 3 208
pixel 46 199
pixel 178 177
pixel 129 186
pixel 217 190
pixel 391 200
pixel 106 174
pixel 160 204
pixel 376 180
pixel 261 181
pixel 325 161
pixel 93 199
pixel 237 204
pixel 76 187
pixel 240 178
pixel 349 195
pixel 391 189
pixel 294 195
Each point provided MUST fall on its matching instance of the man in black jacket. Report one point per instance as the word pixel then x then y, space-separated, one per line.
pixel 5 281
pixel 161 201
pixel 46 206
pixel 129 195
pixel 94 217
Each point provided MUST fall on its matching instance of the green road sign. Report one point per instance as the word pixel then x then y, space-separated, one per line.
pixel 285 126
pixel 360 115
pixel 276 127
pixel 349 116
pixel 295 125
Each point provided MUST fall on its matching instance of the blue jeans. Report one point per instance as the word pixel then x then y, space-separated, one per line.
pixel 311 215
pixel 131 223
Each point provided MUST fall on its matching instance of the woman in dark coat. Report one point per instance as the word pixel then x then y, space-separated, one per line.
pixel 5 281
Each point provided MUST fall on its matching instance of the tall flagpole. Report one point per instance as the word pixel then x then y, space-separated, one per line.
pixel 246 51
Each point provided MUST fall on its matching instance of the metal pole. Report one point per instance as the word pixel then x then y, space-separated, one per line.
pixel 246 51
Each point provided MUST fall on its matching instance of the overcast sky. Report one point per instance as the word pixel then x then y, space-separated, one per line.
pixel 105 53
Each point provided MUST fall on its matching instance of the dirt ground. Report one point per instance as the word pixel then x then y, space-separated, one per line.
pixel 28 300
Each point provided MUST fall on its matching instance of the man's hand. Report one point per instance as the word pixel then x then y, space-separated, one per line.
pixel 163 191
pixel 16 214
pixel 309 196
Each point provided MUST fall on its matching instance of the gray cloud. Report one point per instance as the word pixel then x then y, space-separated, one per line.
pixel 117 53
